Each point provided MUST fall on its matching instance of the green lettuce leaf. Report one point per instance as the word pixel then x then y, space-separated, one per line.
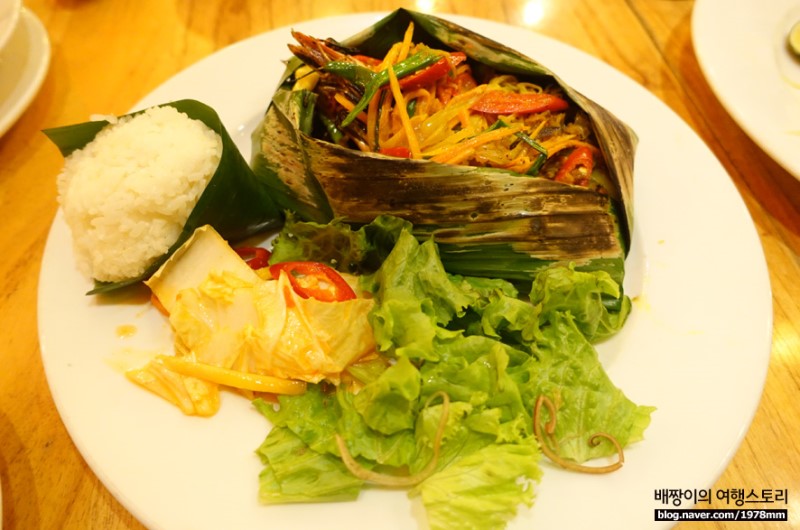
pixel 295 473
pixel 312 416
pixel 389 403
pixel 569 372
pixel 356 251
pixel 490 350
pixel 593 298
pixel 417 300
pixel 373 448
pixel 482 490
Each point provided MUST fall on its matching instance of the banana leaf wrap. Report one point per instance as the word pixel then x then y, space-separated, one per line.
pixel 486 221
pixel 235 201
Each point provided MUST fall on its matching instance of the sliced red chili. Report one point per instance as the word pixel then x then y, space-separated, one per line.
pixel 465 81
pixel 311 279
pixel 399 151
pixel 433 72
pixel 577 167
pixel 503 102
pixel 256 257
pixel 461 83
pixel 366 59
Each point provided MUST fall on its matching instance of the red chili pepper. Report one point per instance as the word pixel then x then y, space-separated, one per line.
pixel 311 279
pixel 256 257
pixel 465 81
pixel 366 59
pixel 458 85
pixel 399 151
pixel 503 102
pixel 433 72
pixel 577 167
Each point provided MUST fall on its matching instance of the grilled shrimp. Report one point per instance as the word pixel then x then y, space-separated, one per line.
pixel 317 53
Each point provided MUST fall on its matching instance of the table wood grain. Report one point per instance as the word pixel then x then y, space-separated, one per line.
pixel 107 54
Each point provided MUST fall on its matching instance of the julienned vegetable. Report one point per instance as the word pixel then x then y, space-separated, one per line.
pixel 501 102
pixel 432 73
pixel 374 125
pixel 371 82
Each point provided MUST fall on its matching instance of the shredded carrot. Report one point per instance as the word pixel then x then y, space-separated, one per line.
pixel 463 118
pixel 413 143
pixel 347 104
pixel 463 149
pixel 519 163
pixel 372 121
pixel 385 117
pixel 232 378
pixel 390 58
pixel 406 42
pixel 443 127
pixel 535 132
pixel 423 98
pixel 564 143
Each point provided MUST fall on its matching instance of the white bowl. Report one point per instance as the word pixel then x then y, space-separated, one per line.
pixel 9 16
pixel 23 66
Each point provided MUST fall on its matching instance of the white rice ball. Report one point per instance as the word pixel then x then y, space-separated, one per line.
pixel 127 194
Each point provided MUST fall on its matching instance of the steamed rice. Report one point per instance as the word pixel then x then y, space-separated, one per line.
pixel 127 194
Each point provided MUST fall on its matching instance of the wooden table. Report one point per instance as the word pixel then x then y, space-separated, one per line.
pixel 107 54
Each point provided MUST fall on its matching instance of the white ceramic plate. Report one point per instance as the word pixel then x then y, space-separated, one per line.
pixel 23 65
pixel 744 57
pixel 696 345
